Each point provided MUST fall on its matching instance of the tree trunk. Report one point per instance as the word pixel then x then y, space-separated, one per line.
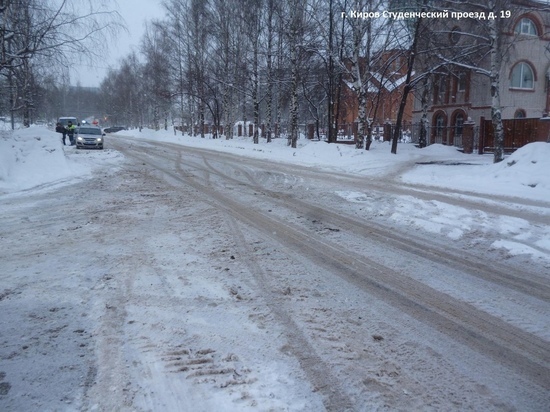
pixel 496 112
pixel 294 104
pixel 362 121
pixel 408 87
pixel 339 78
pixel 423 134
pixel 331 76
pixel 227 129
pixel 269 103
pixel 294 44
pixel 358 87
pixel 368 142
pixel 269 107
pixel 201 114
pixel 256 103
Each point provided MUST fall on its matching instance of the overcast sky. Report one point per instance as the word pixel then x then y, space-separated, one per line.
pixel 135 13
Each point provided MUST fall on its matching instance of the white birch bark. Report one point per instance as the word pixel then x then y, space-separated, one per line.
pixel 496 65
pixel 294 44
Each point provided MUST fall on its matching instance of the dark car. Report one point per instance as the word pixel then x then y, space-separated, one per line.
pixel 114 129
pixel 90 137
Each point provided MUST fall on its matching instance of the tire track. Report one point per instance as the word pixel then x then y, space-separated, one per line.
pixel 510 346
pixel 315 368
pixel 529 283
pixel 497 204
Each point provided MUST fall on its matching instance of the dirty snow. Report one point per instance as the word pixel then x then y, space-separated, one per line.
pixel 33 162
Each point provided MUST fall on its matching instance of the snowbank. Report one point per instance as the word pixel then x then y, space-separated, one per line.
pixel 35 156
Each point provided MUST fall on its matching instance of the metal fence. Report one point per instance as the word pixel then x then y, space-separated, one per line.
pixel 410 133
pixel 445 135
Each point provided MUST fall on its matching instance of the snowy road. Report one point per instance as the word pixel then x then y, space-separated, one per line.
pixel 201 281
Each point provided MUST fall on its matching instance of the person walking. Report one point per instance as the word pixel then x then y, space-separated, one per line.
pixel 60 129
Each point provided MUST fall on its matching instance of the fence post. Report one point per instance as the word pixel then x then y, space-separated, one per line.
pixel 387 132
pixel 468 136
pixel 481 142
pixel 310 131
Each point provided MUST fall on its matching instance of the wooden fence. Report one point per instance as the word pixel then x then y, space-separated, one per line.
pixel 517 133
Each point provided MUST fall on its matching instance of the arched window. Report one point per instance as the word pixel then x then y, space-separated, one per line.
pixel 459 124
pixel 522 76
pixel 439 125
pixel 526 26
pixel 520 114
pixel 439 134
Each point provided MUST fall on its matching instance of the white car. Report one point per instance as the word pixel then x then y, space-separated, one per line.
pixel 89 137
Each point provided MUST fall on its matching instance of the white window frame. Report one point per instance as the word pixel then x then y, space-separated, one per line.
pixel 522 66
pixel 527 27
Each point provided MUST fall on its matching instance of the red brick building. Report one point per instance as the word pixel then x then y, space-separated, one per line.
pixel 384 93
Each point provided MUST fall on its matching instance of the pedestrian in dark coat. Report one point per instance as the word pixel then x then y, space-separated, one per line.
pixel 60 129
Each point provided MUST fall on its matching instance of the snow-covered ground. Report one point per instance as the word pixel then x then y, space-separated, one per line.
pixel 172 303
pixel 32 158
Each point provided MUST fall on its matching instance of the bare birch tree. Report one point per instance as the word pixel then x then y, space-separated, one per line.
pixel 270 17
pixel 296 20
pixel 484 39
pixel 299 55
pixel 369 40
pixel 173 23
pixel 156 74
pixel 49 31
pixel 224 20
pixel 417 30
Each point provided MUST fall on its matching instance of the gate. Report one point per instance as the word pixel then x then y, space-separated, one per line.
pixel 447 135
